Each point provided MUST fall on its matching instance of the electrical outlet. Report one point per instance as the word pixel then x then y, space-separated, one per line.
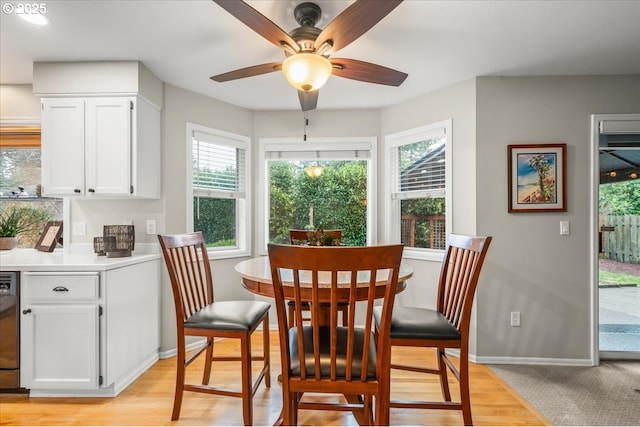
pixel 515 318
pixel 79 228
pixel 151 226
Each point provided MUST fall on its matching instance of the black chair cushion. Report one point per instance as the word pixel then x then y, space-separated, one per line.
pixel 229 316
pixel 420 323
pixel 325 355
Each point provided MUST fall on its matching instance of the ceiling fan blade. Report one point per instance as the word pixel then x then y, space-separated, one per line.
pixel 258 23
pixel 354 21
pixel 366 72
pixel 254 70
pixel 308 100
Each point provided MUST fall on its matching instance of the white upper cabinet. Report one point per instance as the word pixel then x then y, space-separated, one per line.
pixel 100 147
pixel 100 129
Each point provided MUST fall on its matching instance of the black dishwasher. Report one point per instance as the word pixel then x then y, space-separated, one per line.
pixel 9 331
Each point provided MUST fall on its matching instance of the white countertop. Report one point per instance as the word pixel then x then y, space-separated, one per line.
pixel 34 260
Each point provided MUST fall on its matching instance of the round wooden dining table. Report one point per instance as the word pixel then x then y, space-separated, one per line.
pixel 256 278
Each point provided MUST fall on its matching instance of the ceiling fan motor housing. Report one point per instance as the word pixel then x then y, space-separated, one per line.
pixel 307 15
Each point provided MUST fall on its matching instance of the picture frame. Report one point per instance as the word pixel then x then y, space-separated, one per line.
pixel 50 236
pixel 537 177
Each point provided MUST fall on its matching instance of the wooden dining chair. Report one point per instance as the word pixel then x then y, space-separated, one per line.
pixel 197 314
pixel 324 357
pixel 446 327
pixel 297 237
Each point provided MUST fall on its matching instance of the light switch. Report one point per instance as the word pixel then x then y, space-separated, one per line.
pixel 564 228
pixel 79 228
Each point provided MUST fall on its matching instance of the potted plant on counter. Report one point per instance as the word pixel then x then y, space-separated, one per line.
pixel 16 220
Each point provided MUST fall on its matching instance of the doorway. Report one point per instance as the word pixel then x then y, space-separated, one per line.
pixel 616 239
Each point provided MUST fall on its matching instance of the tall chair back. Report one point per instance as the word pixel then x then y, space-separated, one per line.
pixel 197 314
pixel 324 357
pixel 447 327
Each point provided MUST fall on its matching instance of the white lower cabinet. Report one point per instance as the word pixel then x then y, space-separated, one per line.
pixel 60 332
pixel 68 335
pixel 88 333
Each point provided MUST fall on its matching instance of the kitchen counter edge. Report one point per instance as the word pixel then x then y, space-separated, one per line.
pixel 33 260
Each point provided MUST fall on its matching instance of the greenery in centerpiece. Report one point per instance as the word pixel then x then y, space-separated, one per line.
pixel 319 237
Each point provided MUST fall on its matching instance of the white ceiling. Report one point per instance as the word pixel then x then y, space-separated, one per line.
pixel 437 43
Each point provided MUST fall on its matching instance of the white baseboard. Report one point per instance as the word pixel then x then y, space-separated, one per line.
pixel 191 346
pixel 499 360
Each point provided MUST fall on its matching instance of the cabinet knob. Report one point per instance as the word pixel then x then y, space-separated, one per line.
pixel 27 311
pixel 60 289
pixel 92 190
pixel 76 190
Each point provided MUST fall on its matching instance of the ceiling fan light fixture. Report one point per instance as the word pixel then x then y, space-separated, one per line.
pixel 306 71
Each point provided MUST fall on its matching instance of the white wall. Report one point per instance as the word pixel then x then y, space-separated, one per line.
pixel 19 106
pixel 531 268
pixel 182 106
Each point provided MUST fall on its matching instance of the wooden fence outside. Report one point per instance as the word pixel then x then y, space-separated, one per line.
pixel 620 238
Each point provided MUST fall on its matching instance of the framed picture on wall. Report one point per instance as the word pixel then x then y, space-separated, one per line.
pixel 537 178
pixel 50 236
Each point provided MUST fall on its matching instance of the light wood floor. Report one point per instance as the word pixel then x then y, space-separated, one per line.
pixel 149 400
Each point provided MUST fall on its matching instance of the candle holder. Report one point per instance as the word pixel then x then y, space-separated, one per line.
pixel 119 240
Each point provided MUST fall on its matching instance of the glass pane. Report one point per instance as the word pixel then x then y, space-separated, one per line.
pixel 216 218
pixel 422 165
pixel 423 223
pixel 20 188
pixel 20 172
pixel 336 198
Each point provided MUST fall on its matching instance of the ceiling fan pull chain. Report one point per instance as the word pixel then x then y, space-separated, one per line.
pixel 306 123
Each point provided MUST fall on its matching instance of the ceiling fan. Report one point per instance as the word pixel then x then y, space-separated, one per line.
pixel 307 48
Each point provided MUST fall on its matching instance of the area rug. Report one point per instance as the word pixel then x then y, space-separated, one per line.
pixel 608 394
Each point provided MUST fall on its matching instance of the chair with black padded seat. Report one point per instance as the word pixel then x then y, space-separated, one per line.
pixel 298 237
pixel 197 314
pixel 327 358
pixel 447 327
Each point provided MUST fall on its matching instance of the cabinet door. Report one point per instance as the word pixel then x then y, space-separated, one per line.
pixel 60 346
pixel 62 146
pixel 108 145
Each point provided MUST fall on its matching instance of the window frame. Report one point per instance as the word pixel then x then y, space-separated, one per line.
pixel 314 145
pixel 392 206
pixel 243 205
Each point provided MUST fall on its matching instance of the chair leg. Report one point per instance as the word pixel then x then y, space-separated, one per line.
pixel 180 375
pixel 247 384
pixel 444 378
pixel 265 350
pixel 464 391
pixel 206 375
pixel 367 409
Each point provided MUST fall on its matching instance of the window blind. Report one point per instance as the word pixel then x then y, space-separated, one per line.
pixel 419 169
pixel 218 167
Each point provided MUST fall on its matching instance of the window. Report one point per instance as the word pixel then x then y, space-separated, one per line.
pixel 20 178
pixel 337 196
pixel 218 195
pixel 419 189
